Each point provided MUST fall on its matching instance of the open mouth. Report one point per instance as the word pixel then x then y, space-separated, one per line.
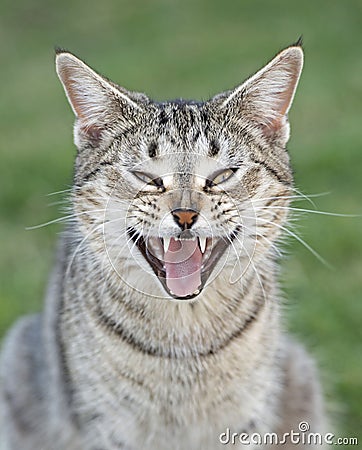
pixel 183 264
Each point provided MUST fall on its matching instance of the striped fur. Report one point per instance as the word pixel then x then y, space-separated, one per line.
pixel 114 362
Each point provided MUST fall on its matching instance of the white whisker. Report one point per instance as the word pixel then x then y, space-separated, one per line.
pixel 253 267
pixel 325 213
pixel 79 246
pixel 59 192
pixel 298 238
pixel 289 197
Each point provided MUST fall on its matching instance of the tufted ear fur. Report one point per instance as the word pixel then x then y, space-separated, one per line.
pixel 96 102
pixel 266 97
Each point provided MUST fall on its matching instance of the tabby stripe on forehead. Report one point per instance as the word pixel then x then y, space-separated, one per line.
pixel 152 149
pixel 214 148
pixel 205 122
pixel 163 117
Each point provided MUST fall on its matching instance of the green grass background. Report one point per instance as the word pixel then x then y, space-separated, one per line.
pixel 194 49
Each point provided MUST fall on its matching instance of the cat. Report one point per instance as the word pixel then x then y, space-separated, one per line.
pixel 162 321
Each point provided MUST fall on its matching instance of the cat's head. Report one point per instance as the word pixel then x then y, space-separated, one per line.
pixel 181 189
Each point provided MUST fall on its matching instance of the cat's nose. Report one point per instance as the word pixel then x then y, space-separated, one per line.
pixel 185 218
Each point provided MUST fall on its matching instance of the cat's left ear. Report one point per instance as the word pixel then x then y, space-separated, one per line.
pixel 265 99
pixel 96 101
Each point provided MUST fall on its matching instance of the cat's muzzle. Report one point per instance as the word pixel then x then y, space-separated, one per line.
pixel 182 263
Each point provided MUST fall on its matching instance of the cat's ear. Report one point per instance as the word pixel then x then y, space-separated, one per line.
pixel 96 102
pixel 265 98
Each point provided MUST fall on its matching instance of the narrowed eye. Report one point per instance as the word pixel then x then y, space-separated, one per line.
pixel 149 179
pixel 220 177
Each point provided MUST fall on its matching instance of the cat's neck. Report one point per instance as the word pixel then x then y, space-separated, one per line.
pixel 163 326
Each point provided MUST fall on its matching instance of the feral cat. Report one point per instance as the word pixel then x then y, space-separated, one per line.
pixel 161 327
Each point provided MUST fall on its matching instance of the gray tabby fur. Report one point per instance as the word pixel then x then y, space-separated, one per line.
pixel 113 361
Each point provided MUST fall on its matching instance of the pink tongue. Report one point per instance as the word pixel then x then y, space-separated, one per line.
pixel 183 267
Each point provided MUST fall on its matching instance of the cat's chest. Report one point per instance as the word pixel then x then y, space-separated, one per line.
pixel 135 411
pixel 129 395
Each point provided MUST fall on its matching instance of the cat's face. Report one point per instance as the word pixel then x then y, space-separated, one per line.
pixel 179 191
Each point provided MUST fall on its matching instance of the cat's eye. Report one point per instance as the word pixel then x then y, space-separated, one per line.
pixel 220 177
pixel 149 179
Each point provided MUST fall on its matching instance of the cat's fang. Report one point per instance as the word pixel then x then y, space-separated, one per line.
pixel 166 243
pixel 202 243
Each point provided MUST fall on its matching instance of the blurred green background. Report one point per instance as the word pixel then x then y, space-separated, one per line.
pixel 194 49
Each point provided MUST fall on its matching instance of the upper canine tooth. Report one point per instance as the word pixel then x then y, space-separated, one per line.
pixel 166 243
pixel 202 241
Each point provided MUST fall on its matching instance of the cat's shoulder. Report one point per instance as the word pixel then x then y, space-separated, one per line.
pixel 22 378
pixel 302 399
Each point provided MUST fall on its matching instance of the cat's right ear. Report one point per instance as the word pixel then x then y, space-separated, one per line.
pixel 264 99
pixel 96 102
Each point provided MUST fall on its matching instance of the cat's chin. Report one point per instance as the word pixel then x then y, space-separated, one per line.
pixel 203 258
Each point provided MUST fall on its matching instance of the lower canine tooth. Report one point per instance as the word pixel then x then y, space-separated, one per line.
pixel 166 243
pixel 202 241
